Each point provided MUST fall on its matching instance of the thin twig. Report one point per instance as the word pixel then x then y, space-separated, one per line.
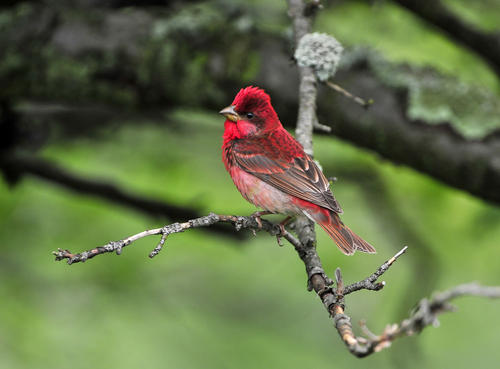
pixel 369 282
pixel 358 346
pixel 159 247
pixel 425 314
pixel 364 103
pixel 239 222
pixel 322 127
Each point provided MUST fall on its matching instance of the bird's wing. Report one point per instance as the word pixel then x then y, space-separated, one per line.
pixel 285 166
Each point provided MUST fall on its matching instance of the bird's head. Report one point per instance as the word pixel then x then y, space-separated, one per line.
pixel 250 114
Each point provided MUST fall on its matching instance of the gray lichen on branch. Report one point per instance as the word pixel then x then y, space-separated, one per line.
pixel 320 52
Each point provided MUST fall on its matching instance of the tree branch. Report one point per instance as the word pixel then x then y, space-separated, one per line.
pixel 486 45
pixel 46 170
pixel 239 222
pixel 301 15
pixel 302 23
pixel 364 103
pixel 425 314
pixel 369 282
pixel 470 165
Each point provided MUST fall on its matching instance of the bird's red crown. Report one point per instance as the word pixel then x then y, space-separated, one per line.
pixel 255 100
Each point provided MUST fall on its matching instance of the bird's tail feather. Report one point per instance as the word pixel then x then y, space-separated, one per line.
pixel 347 241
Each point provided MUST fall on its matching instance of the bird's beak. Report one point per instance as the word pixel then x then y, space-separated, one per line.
pixel 230 113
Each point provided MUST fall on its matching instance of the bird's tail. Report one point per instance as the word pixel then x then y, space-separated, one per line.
pixel 347 241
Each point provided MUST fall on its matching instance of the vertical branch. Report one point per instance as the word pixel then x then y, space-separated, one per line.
pixel 302 17
pixel 307 109
pixel 302 24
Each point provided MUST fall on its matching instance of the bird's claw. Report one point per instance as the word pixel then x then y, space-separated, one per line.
pixel 281 234
pixel 282 231
pixel 278 239
pixel 257 216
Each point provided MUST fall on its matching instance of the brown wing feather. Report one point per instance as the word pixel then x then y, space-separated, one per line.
pixel 296 176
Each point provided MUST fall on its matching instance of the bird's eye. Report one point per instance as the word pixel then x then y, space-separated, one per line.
pixel 249 115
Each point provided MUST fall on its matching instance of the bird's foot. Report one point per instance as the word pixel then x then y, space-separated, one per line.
pixel 257 216
pixel 278 239
pixel 282 230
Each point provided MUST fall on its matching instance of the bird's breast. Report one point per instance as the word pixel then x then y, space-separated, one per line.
pixel 261 194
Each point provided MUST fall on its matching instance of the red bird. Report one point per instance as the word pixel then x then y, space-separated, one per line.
pixel 272 171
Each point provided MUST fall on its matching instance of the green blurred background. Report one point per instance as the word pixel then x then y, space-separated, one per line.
pixel 210 300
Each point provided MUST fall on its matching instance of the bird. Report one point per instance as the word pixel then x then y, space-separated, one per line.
pixel 271 170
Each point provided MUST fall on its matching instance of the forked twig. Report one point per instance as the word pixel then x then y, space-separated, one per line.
pixel 239 222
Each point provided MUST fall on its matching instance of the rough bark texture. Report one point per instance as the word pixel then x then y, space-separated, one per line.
pixel 307 85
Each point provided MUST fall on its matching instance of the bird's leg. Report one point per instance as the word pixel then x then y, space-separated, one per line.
pixel 257 216
pixel 282 229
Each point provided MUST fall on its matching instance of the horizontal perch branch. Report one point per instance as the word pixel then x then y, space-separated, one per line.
pixel 239 222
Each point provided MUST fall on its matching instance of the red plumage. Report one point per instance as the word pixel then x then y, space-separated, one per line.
pixel 272 171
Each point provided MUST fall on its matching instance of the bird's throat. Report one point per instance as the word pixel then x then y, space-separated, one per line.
pixel 238 130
